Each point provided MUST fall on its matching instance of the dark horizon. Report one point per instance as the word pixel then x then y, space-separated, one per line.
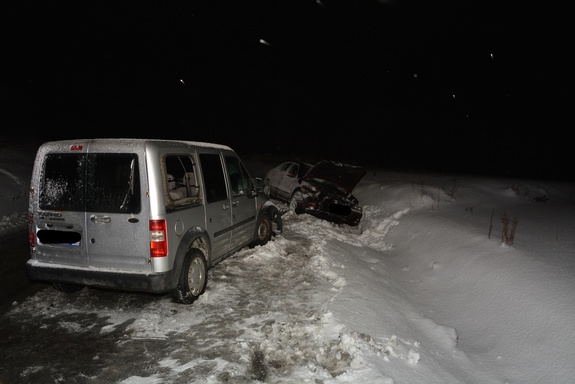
pixel 401 84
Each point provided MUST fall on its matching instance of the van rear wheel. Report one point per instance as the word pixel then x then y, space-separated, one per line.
pixel 193 279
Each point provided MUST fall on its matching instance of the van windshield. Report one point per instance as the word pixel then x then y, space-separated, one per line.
pixel 97 182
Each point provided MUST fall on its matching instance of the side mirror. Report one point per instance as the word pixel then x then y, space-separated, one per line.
pixel 258 184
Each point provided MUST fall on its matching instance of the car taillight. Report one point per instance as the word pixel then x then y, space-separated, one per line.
pixel 31 235
pixel 158 240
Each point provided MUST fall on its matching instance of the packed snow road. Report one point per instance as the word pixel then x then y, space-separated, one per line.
pixel 257 321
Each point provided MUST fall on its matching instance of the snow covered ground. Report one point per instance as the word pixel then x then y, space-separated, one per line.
pixel 425 290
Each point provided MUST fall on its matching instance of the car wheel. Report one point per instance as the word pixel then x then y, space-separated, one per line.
pixel 296 201
pixel 193 279
pixel 264 231
pixel 67 288
pixel 267 188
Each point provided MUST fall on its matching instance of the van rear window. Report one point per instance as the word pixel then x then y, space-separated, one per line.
pixel 96 182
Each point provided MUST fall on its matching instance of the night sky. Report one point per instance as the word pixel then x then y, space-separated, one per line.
pixel 465 86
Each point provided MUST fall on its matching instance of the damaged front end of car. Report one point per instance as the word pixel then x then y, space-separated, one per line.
pixel 327 195
pixel 332 209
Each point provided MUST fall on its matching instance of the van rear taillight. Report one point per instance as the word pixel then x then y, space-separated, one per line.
pixel 158 240
pixel 31 239
pixel 31 236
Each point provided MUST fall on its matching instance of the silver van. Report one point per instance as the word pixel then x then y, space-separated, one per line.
pixel 141 215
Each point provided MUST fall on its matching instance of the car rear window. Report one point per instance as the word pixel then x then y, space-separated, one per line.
pixel 100 182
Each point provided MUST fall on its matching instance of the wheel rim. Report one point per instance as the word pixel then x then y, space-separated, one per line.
pixel 196 276
pixel 263 230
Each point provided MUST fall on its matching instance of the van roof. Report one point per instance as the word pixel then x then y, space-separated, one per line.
pixel 138 141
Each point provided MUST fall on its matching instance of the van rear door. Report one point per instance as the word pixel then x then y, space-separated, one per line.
pixel 60 217
pixel 117 229
pixel 90 210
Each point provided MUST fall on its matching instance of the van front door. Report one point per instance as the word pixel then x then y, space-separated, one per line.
pixel 218 204
pixel 243 203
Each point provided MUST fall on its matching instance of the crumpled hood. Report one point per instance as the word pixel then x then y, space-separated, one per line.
pixel 343 175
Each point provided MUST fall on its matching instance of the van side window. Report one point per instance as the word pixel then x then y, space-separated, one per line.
pixel 181 179
pixel 214 180
pixel 99 182
pixel 240 181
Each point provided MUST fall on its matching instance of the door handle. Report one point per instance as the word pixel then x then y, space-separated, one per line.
pixel 235 203
pixel 225 207
pixel 102 219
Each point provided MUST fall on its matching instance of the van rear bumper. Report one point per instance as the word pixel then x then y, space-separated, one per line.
pixel 142 282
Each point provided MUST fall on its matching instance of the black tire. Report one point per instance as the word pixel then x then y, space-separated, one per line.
pixel 67 288
pixel 193 278
pixel 264 230
pixel 296 201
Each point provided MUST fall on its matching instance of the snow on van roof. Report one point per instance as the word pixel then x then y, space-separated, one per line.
pixel 206 144
pixel 140 140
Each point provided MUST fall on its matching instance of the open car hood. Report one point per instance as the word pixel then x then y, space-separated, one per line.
pixel 343 175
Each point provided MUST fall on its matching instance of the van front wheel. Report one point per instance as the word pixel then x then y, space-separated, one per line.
pixel 264 231
pixel 193 279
